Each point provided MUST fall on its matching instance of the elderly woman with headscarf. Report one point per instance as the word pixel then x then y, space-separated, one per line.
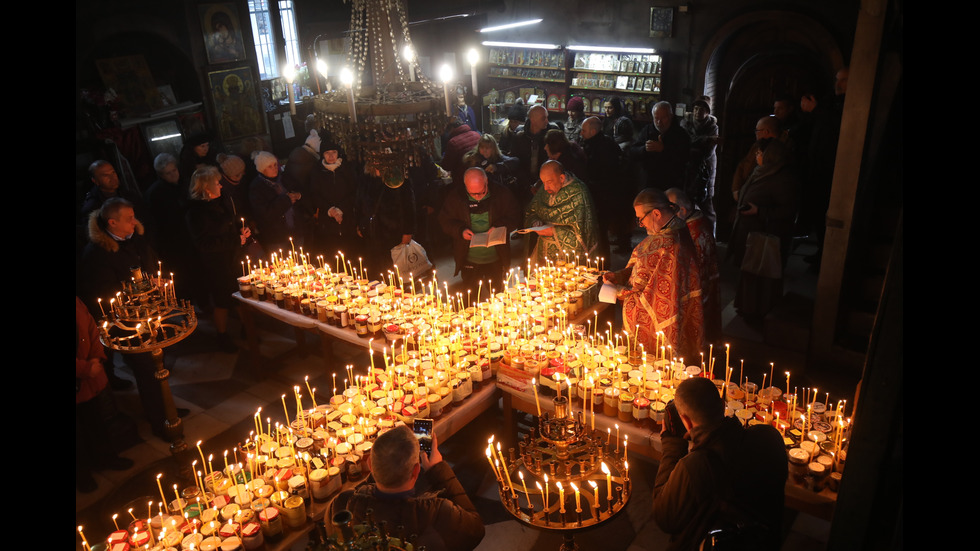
pixel 274 206
pixel 332 193
pixel 767 205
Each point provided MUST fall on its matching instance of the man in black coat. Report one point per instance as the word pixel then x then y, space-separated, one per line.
pixel 611 191
pixel 528 147
pixel 730 475
pixel 662 149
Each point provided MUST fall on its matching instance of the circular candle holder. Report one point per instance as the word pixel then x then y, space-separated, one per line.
pixel 592 472
pixel 145 317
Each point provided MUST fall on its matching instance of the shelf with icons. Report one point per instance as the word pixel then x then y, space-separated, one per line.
pixel 528 64
pixel 635 64
pixel 528 73
pixel 619 83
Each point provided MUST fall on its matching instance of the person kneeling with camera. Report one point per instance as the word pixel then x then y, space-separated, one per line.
pixel 442 518
pixel 716 476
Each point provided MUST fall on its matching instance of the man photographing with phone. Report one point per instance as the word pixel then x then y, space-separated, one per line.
pixel 731 475
pixel 442 518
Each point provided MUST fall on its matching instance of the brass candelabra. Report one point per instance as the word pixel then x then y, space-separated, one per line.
pixel 577 477
pixel 145 317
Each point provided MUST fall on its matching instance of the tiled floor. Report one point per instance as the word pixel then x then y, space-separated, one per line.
pixel 223 396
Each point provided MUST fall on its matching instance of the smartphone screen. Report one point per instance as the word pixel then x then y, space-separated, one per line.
pixel 423 432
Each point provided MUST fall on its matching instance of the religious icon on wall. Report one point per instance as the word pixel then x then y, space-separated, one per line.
pixel 236 106
pixel 222 32
pixel 661 22
pixel 130 78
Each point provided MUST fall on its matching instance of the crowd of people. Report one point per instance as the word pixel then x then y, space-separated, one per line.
pixel 572 182
pixel 575 189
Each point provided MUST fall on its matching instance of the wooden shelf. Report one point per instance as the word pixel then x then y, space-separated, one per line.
pixel 617 90
pixel 562 69
pixel 529 78
pixel 598 71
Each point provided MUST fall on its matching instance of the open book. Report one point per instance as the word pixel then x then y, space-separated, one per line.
pixel 531 229
pixel 491 238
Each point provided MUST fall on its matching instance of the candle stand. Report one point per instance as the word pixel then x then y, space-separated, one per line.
pixel 578 477
pixel 144 318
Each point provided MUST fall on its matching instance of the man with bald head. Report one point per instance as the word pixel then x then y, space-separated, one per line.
pixel 528 147
pixel 478 207
pixel 564 207
pixel 662 149
pixel 766 127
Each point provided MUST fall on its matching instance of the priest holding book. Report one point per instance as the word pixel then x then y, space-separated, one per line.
pixel 479 217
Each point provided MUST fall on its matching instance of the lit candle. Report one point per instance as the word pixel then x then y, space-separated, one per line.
pixel 561 497
pixel 578 499
pixel 524 484
pixel 201 452
pixel 537 403
pixel 114 515
pixel 84 541
pixel 605 470
pixel 546 492
pixel 160 487
pixel 494 469
pixel 473 57
pixel 347 77
pixel 595 498
pixel 544 497
pixel 289 73
pixel 409 55
pixel 446 74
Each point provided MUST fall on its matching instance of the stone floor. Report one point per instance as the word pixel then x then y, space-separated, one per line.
pixel 222 396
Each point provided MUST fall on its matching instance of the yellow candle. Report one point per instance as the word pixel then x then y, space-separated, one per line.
pixel 605 470
pixel 561 497
pixel 160 486
pixel 544 496
pixel 578 499
pixel 84 541
pixel 537 403
pixel 524 484
pixel 494 469
pixel 546 491
pixel 595 497
pixel 200 452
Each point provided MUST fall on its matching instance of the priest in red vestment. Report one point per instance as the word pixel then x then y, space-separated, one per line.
pixel 662 279
pixel 700 227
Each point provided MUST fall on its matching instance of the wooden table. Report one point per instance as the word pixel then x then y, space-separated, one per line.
pixel 301 324
pixel 453 421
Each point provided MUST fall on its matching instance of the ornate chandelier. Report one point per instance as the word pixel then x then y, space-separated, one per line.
pixel 382 116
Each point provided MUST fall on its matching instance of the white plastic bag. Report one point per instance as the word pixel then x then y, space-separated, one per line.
pixel 410 259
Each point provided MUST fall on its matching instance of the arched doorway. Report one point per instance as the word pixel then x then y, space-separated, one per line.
pixel 747 63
